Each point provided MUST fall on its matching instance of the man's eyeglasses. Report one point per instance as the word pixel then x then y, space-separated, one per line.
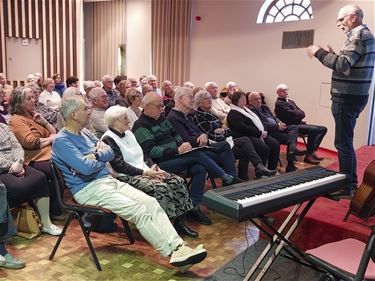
pixel 158 106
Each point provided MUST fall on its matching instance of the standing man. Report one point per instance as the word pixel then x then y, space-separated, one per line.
pixel 351 79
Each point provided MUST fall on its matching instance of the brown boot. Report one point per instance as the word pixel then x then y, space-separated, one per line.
pixel 310 159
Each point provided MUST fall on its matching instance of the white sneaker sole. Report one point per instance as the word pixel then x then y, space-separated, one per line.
pixel 199 256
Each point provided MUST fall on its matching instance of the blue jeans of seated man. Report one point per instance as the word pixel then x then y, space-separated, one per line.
pixel 345 115
pixel 195 163
pixel 223 155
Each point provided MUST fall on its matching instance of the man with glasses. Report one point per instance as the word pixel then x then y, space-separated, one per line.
pixel 107 81
pixel 290 114
pixel 351 79
pixel 100 102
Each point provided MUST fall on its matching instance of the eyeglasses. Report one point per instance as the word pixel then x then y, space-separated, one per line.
pixel 158 106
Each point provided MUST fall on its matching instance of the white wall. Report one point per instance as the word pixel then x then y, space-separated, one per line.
pixel 138 40
pixel 227 44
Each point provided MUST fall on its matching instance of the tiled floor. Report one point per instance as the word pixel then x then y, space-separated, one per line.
pixel 120 261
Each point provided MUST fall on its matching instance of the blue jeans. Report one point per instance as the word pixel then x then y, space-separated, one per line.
pixel 345 115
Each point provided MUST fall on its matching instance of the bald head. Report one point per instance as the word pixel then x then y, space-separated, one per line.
pixel 152 105
pixel 255 99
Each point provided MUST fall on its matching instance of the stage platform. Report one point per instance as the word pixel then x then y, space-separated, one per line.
pixel 324 222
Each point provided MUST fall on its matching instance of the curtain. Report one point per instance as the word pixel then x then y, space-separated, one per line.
pixel 109 34
pixel 170 39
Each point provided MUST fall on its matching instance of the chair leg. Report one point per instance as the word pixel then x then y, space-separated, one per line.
pixel 61 236
pixel 87 237
pixel 127 231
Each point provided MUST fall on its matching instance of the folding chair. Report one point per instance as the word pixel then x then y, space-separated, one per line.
pixel 348 259
pixel 76 211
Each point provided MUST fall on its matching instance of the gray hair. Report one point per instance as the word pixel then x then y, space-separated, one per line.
pixel 17 99
pixel 88 84
pixel 149 98
pixel 106 77
pixel 70 105
pixel 180 92
pixel 113 113
pixel 95 92
pixel 201 94
pixel 151 77
pixel 209 84
pixel 231 84
pixel 71 92
pixel 351 8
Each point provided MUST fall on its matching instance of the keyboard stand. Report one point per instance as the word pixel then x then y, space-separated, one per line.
pixel 277 238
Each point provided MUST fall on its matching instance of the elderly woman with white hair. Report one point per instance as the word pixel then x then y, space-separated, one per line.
pixel 216 131
pixel 129 162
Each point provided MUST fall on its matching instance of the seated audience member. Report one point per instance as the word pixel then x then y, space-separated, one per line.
pixel 38 78
pixel 4 113
pixel 243 122
pixel 168 94
pixel 48 113
pixel 4 84
pixel 107 82
pixel 123 86
pixel 219 108
pixel 98 83
pixel 59 85
pixel 133 82
pixel 232 88
pixel 288 112
pixel 169 189
pixel 82 160
pixel 117 80
pixel 72 81
pixel 49 97
pixel 197 89
pixel 99 100
pixel 134 99
pixel 189 132
pixel 142 82
pixel 242 147
pixel 153 82
pixel 280 131
pixel 23 183
pixel 223 94
pixel 161 143
pixel 87 86
pixel 7 260
pixel 35 134
pixel 70 92
pixel 146 89
pixel 189 84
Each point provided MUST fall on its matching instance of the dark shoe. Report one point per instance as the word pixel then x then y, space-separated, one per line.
pixel 296 152
pixel 310 159
pixel 231 180
pixel 290 168
pixel 183 229
pixel 343 194
pixel 316 157
pixel 198 216
pixel 260 171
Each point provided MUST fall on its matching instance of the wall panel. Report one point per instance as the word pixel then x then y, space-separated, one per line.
pixel 53 21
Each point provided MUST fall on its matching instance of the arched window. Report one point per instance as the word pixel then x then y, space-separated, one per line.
pixel 284 10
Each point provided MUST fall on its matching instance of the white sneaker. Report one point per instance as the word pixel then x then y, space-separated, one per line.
pixel 184 255
pixel 52 230
pixel 2 260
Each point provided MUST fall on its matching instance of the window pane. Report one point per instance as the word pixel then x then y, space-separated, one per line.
pixel 287 10
pixel 269 19
pixel 298 10
pixel 289 2
pixel 273 11
pixel 291 18
pixel 305 16
pixel 279 18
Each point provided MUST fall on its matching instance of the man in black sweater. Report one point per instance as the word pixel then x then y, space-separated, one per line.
pixel 289 113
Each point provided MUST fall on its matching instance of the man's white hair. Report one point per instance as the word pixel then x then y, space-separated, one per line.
pixel 95 92
pixel 180 92
pixel 113 113
pixel 231 84
pixel 209 84
pixel 281 86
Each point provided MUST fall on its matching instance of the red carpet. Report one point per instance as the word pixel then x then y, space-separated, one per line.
pixel 324 222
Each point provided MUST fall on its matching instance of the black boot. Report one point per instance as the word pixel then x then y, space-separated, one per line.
pixel 182 228
pixel 260 171
pixel 198 216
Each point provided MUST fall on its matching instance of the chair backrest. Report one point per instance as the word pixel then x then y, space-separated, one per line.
pixel 59 184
